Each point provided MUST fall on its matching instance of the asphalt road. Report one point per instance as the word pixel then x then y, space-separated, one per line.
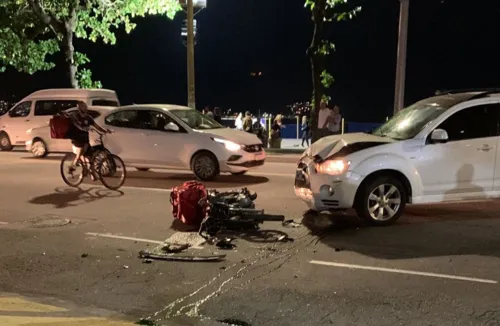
pixel 438 266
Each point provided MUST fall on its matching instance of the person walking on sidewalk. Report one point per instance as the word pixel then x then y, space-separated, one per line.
pixel 275 137
pixel 247 122
pixel 305 131
pixel 335 121
pixel 325 116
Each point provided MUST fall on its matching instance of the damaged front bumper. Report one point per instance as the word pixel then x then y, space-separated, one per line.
pixel 322 191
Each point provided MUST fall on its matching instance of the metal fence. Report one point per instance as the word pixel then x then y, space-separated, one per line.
pixel 291 128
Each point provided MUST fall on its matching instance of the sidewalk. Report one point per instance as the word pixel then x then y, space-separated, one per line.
pixel 19 311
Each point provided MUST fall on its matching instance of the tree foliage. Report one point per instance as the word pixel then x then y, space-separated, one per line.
pixel 31 31
pixel 324 12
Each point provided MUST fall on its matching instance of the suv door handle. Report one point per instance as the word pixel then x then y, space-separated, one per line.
pixel 485 148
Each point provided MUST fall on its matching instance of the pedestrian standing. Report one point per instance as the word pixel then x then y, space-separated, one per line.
pixel 305 131
pixel 324 118
pixel 335 122
pixel 275 137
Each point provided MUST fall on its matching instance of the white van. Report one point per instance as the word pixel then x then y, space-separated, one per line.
pixel 36 110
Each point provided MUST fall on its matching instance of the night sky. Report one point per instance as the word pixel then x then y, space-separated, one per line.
pixel 452 44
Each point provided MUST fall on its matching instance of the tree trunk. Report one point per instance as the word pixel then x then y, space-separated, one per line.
pixel 318 15
pixel 69 57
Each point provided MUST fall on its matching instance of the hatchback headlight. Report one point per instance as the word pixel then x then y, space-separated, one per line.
pixel 333 167
pixel 229 145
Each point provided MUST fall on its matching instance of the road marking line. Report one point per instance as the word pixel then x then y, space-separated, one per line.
pixel 4 223
pixel 402 271
pixel 13 304
pixel 112 236
pixel 148 189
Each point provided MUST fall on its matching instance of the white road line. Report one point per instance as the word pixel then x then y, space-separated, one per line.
pixel 402 271
pixel 107 235
pixel 112 236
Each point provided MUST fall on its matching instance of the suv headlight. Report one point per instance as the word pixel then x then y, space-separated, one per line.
pixel 333 167
pixel 229 145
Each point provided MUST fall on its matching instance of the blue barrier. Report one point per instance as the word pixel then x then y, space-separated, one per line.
pixel 290 127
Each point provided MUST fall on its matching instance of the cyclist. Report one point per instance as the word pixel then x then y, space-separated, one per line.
pixel 79 132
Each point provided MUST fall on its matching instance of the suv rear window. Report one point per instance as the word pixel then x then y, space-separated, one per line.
pixel 101 102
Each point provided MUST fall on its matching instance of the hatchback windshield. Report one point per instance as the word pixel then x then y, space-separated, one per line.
pixel 196 120
pixel 408 122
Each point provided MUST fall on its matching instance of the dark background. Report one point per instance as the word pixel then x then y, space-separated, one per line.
pixel 452 44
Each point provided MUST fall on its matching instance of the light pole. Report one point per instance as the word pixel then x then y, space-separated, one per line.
pixel 399 95
pixel 189 33
pixel 190 55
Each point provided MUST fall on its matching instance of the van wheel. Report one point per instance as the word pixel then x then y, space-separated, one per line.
pixel 39 149
pixel 5 144
pixel 381 201
pixel 205 166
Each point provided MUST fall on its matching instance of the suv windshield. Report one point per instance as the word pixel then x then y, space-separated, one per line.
pixel 408 122
pixel 196 120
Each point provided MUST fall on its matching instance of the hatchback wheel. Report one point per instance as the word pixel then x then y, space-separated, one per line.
pixel 39 149
pixel 5 144
pixel 205 166
pixel 381 201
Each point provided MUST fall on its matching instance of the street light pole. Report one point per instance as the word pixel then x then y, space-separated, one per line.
pixel 399 95
pixel 190 55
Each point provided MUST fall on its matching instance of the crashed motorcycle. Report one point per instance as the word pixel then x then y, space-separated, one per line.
pixel 233 210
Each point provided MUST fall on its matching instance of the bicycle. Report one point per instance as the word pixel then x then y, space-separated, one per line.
pixel 97 161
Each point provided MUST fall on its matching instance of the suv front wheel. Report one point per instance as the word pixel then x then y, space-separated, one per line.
pixel 381 201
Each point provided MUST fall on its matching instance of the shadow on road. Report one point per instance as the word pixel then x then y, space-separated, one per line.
pixel 424 231
pixel 244 233
pixel 67 197
pixel 162 180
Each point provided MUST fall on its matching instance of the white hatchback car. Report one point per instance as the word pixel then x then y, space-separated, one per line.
pixel 177 137
pixel 40 142
pixel 441 149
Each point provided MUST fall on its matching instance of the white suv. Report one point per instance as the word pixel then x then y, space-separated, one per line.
pixel 440 149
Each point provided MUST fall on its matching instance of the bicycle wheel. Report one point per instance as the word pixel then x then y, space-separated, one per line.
pixel 72 178
pixel 111 171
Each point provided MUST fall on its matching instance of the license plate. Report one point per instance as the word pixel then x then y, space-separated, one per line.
pixel 259 157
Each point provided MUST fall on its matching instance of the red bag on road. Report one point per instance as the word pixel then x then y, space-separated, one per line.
pixel 59 127
pixel 188 202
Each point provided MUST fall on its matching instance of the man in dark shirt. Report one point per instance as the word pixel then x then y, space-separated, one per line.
pixel 79 131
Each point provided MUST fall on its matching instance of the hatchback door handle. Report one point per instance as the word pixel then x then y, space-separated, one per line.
pixel 485 148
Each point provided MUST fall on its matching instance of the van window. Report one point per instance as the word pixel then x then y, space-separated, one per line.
pixel 53 107
pixel 21 110
pixel 101 102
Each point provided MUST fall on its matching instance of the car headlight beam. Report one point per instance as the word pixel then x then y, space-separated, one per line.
pixel 333 167
pixel 229 145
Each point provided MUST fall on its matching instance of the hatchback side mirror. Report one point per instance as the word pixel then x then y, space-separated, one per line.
pixel 172 127
pixel 439 136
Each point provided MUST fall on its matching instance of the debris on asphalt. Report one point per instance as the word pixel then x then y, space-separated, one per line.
pixel 176 248
pixel 85 255
pixel 339 249
pixel 125 266
pixel 284 238
pixel 291 224
pixel 146 322
pixel 225 244
pixel 147 261
pixel 234 322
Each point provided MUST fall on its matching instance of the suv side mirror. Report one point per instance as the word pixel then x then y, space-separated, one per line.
pixel 172 127
pixel 439 136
